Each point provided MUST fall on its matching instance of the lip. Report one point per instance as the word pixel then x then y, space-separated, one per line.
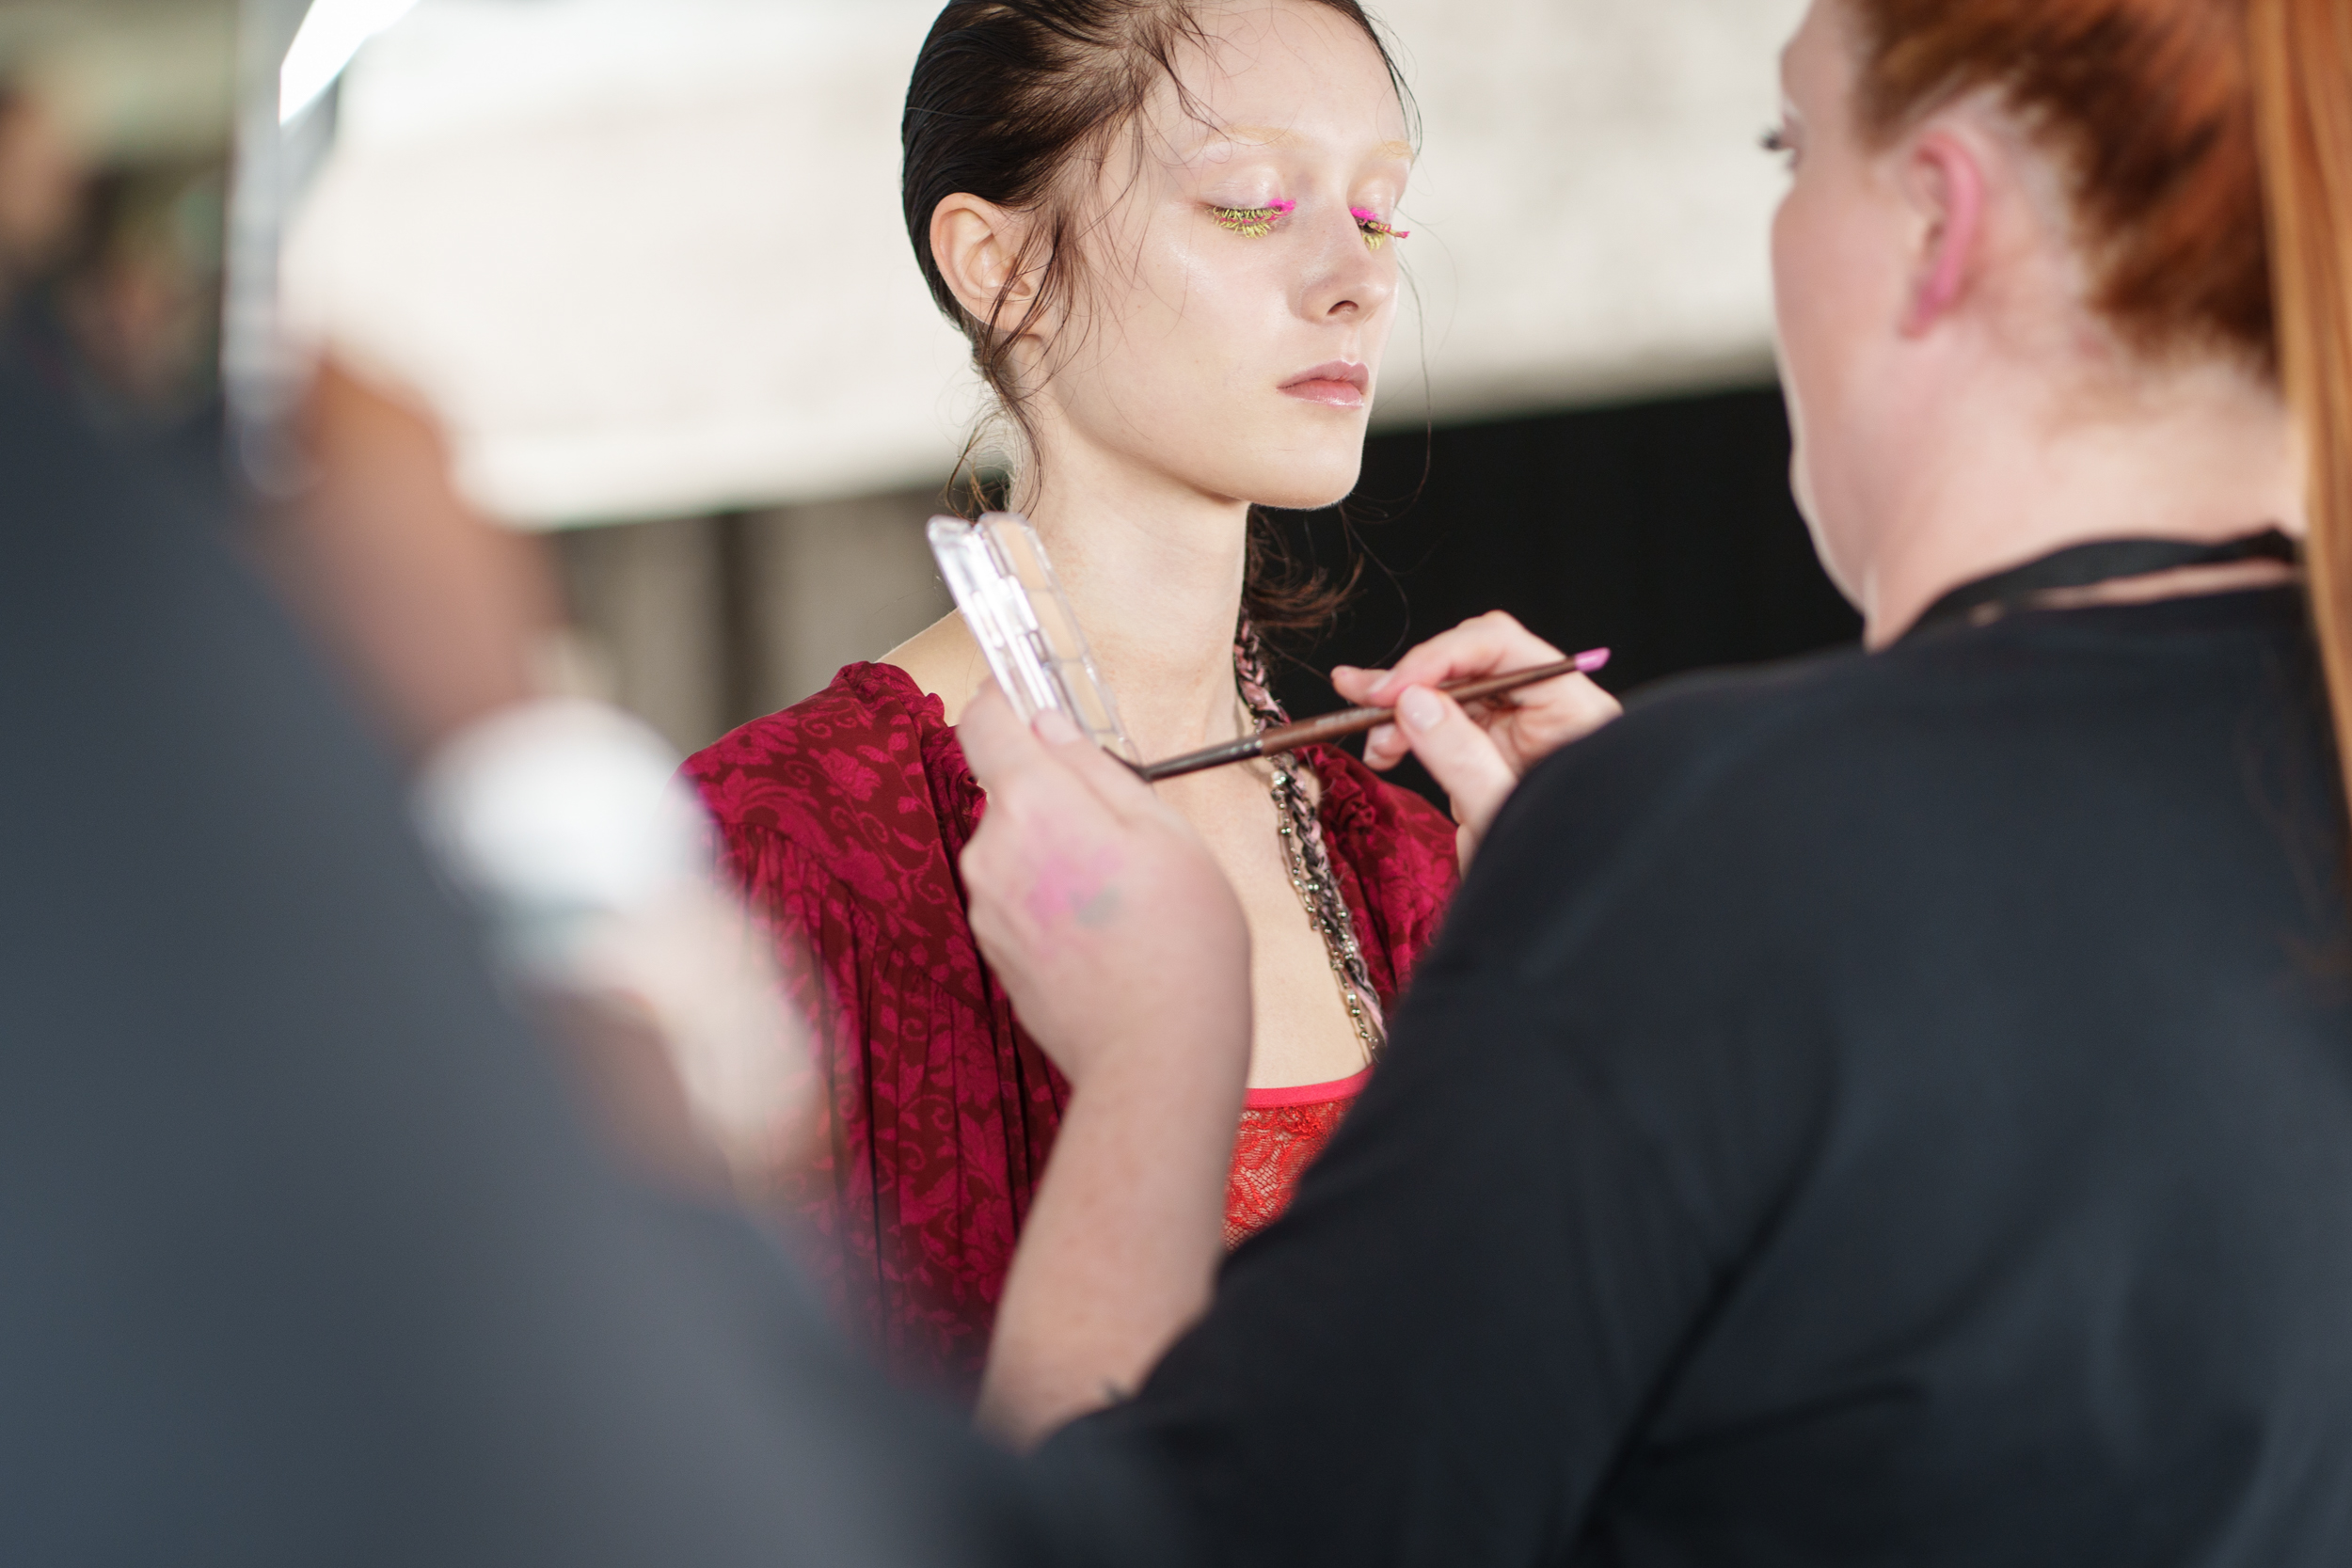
pixel 1339 385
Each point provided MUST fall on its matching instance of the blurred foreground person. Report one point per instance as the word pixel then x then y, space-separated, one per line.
pixel 43 185
pixel 307 1261
pixel 44 196
pixel 1895 1108
pixel 560 817
pixel 109 286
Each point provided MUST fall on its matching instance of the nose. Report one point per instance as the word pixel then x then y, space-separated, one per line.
pixel 1350 280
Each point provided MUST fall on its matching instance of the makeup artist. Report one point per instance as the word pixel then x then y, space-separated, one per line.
pixel 1893 1108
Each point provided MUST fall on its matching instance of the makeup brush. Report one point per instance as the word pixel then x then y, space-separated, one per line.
pixel 1355 720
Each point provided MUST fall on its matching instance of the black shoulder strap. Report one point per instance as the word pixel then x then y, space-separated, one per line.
pixel 2103 560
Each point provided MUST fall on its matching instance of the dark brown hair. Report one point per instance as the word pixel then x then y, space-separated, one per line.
pixel 1006 95
pixel 2210 145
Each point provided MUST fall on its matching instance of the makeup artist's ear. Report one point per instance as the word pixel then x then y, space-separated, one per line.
pixel 978 245
pixel 1944 181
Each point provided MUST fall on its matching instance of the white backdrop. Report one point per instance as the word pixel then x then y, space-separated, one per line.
pixel 646 256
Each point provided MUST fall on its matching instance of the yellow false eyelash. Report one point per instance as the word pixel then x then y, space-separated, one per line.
pixel 1376 233
pixel 1254 223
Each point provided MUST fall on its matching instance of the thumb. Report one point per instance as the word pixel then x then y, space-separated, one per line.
pixel 1460 755
pixel 996 744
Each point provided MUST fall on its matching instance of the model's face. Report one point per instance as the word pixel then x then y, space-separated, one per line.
pixel 1234 354
pixel 1840 277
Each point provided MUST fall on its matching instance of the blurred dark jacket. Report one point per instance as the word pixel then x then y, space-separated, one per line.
pixel 306 1259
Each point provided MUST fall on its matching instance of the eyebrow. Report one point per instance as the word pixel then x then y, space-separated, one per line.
pixel 1264 136
pixel 1271 135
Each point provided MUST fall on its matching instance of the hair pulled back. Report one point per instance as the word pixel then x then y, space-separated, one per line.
pixel 1008 96
pixel 2210 147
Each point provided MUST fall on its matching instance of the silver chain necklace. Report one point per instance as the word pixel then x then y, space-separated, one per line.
pixel 1306 856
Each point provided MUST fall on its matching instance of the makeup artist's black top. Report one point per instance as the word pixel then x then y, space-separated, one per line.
pixel 1882 1110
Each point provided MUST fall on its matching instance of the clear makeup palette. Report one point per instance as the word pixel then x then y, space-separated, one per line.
pixel 1005 586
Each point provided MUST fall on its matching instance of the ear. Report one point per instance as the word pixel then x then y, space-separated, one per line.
pixel 1944 181
pixel 978 245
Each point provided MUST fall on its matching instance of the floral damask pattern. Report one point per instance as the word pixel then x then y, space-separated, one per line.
pixel 842 817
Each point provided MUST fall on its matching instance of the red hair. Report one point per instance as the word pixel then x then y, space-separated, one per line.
pixel 2147 104
pixel 2209 144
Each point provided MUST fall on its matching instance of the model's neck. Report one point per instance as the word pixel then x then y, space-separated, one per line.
pixel 1154 569
pixel 2199 454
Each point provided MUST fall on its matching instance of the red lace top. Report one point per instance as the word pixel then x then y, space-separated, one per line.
pixel 1281 1132
pixel 842 817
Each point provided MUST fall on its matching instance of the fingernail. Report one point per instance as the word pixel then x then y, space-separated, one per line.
pixel 1421 710
pixel 1053 727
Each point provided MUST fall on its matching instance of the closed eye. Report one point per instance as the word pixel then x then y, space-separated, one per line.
pixel 1376 233
pixel 1252 223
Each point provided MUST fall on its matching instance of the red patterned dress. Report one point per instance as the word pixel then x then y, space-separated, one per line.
pixel 842 818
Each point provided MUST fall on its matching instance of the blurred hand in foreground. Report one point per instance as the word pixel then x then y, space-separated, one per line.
pixel 1477 755
pixel 565 822
pixel 1126 957
pixel 1095 903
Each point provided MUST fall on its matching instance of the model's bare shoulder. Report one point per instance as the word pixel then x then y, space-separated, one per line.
pixel 943 662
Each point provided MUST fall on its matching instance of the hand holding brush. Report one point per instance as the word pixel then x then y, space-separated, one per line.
pixel 1478 752
pixel 1357 720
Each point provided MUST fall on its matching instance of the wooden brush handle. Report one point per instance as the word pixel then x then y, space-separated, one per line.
pixel 1355 720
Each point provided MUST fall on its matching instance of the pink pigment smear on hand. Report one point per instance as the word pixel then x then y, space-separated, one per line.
pixel 1067 890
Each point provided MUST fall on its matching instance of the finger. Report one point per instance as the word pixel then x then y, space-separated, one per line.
pixel 1023 776
pixel 997 743
pixel 1563 711
pixel 1384 748
pixel 1050 757
pixel 1485 647
pixel 1460 755
pixel 1581 706
pixel 1355 685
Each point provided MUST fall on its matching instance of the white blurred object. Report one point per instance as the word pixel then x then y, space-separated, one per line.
pixel 647 257
pixel 561 811
pixel 565 823
pixel 331 33
pixel 644 256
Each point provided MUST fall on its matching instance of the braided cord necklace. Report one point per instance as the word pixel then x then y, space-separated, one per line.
pixel 1305 853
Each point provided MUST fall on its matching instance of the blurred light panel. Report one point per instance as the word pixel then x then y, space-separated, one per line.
pixel 131 83
pixel 333 31
pixel 646 256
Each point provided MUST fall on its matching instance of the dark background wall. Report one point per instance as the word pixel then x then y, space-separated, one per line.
pixel 1663 530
